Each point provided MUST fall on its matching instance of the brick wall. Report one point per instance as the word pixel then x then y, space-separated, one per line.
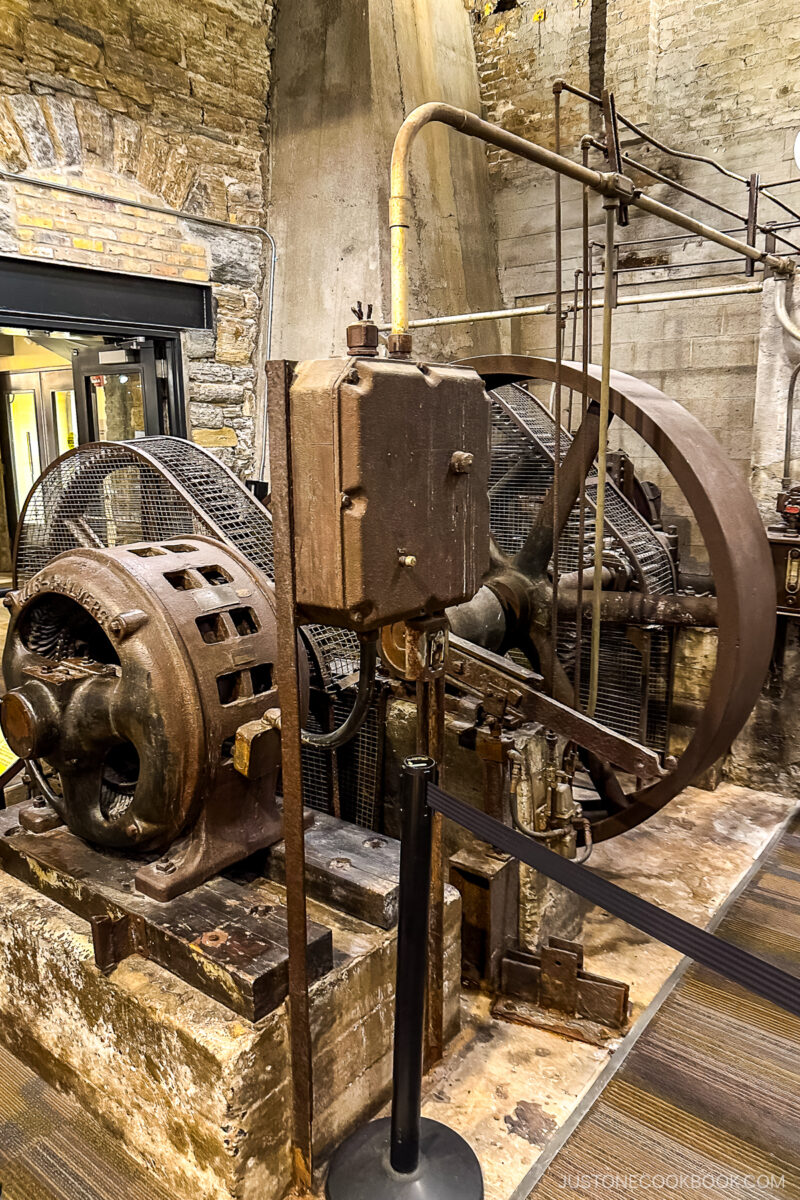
pixel 714 78
pixel 164 103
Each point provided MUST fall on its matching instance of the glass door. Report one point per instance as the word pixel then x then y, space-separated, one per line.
pixel 126 390
pixel 58 396
pixel 24 440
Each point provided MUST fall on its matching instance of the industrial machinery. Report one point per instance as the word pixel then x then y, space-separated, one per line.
pixel 143 575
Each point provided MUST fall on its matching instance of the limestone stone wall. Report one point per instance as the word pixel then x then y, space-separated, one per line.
pixel 158 102
pixel 715 78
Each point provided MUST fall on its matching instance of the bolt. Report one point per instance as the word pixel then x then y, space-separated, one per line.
pixel 424 368
pixel 40 803
pixel 340 864
pixel 375 843
pixel 165 866
pixel 461 462
pixel 406 560
pixel 457 668
pixel 347 501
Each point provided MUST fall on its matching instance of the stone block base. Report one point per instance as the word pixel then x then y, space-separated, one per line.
pixel 198 1094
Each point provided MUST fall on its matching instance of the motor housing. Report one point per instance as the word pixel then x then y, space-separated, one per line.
pixel 128 672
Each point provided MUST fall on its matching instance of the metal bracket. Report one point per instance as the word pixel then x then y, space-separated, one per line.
pixel 552 990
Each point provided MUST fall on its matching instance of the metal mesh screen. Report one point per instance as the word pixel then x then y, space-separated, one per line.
pixel 632 694
pixel 154 489
pixel 100 496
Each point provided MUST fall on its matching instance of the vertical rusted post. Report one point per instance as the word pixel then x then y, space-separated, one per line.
pixel 279 374
pixel 434 1047
pixel 557 390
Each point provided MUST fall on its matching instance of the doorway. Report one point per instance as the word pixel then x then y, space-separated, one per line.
pixel 60 389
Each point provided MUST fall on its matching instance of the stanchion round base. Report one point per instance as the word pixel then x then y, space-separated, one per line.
pixel 448 1168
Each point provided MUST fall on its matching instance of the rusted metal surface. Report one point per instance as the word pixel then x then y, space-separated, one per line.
pixel 391 508
pixel 129 671
pixel 279 382
pixel 221 938
pixel 642 608
pixel 733 533
pixel 506 687
pixel 488 883
pixel 556 979
pixel 785 550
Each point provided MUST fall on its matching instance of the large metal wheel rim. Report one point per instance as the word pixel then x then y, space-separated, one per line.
pixel 738 551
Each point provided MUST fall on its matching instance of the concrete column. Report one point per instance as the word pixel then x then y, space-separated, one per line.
pixel 345 77
pixel 778 354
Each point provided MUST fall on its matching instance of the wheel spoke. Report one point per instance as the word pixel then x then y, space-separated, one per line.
pixel 535 554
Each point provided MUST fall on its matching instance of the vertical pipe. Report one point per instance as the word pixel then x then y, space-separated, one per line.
pixel 787 451
pixel 434 1042
pixel 278 384
pixel 605 374
pixel 412 953
pixel 557 396
pixel 575 299
pixel 586 334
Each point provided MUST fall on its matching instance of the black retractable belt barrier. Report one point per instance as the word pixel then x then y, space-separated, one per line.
pixel 755 974
pixel 408 1157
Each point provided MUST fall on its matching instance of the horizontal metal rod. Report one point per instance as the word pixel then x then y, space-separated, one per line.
pixel 781 183
pixel 538 310
pixel 673 183
pixel 640 608
pixel 605 183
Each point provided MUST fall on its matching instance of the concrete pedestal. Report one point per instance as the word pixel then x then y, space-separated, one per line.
pixel 194 1091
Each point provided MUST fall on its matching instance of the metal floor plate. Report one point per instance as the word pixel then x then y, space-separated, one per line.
pixel 708 1100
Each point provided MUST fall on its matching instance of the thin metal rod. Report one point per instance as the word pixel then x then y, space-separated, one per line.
pixel 610 184
pixel 575 302
pixel 557 390
pixel 780 183
pixel 180 214
pixel 539 310
pixel 412 962
pixel 768 196
pixel 602 450
pixel 711 162
pixel 585 355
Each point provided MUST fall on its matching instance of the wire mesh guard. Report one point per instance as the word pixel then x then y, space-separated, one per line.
pixel 154 489
pixel 158 488
pixel 634 677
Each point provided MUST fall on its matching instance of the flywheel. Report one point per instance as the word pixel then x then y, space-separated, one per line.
pixel 514 611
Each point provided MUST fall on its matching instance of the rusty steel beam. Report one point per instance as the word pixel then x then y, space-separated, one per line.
pixel 279 377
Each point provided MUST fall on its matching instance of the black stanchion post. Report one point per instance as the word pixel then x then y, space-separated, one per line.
pixel 408 1157
pixel 412 964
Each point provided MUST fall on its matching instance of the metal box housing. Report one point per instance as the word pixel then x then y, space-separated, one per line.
pixel 390 470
